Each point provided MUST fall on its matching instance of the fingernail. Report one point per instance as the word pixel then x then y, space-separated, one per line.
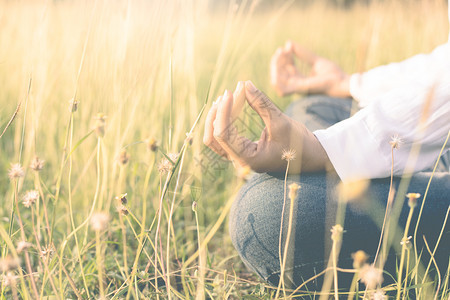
pixel 225 95
pixel 250 87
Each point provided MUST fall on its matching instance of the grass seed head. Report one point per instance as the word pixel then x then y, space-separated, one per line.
pixel 16 171
pixel 173 156
pixel 189 138
pixel 288 155
pixel 152 144
pixel 73 105
pixel 22 246
pixel 396 142
pixel 9 263
pixel 379 294
pixel 123 157
pixel 412 199
pixel 164 166
pixel 99 221
pixel 37 164
pixel 359 258
pixel 9 279
pixel 47 252
pixel 30 198
pixel 122 199
pixel 99 125
pixel 121 209
pixel 371 276
pixel 336 233
pixel 293 190
pixel 406 241
pixel 244 172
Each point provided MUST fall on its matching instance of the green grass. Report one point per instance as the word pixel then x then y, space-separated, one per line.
pixel 150 66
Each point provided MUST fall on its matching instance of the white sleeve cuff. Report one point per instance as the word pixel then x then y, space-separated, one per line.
pixel 353 150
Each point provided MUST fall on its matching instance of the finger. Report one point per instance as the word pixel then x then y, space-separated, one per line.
pixel 311 85
pixel 274 66
pixel 238 100
pixel 208 138
pixel 265 108
pixel 301 52
pixel 225 133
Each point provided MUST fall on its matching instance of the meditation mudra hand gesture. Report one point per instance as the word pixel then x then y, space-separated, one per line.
pixel 281 133
pixel 326 77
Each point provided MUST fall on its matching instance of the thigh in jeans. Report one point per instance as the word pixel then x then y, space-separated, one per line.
pixel 255 222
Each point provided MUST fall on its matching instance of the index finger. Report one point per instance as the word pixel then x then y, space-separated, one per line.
pixel 263 106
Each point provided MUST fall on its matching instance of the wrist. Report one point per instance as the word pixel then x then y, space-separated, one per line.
pixel 342 87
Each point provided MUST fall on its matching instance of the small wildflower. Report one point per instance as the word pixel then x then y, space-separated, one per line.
pixel 152 144
pixel 371 276
pixel 288 155
pixel 164 166
pixel 336 233
pixel 352 190
pixel 99 221
pixel 30 198
pixel 379 294
pixel 123 157
pixel 244 172
pixel 37 164
pixel 396 142
pixel 22 246
pixel 293 190
pixel 412 199
pixel 99 126
pixel 9 263
pixel 73 105
pixel 173 157
pixel 47 252
pixel 122 198
pixel 121 209
pixel 16 171
pixel 194 206
pixel 405 241
pixel 359 258
pixel 9 279
pixel 189 138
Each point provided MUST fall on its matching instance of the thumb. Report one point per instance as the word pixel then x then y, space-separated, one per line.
pixel 265 108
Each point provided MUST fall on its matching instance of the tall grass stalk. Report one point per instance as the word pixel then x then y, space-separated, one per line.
pixel 416 278
pixel 388 204
pixel 405 241
pixel 201 270
pixel 437 268
pixel 24 288
pixel 27 256
pixel 434 251
pixel 281 284
pixel 169 224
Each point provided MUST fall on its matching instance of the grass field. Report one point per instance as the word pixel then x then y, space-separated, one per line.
pixel 97 86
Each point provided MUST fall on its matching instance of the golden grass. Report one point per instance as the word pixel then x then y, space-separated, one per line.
pixel 148 66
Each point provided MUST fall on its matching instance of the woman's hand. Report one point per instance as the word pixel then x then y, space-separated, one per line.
pixel 280 134
pixel 326 77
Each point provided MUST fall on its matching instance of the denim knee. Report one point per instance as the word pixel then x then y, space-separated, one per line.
pixel 254 225
pixel 255 222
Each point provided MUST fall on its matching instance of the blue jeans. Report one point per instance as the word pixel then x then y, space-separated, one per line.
pixel 255 217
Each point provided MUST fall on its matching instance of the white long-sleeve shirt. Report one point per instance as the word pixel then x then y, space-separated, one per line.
pixel 394 99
